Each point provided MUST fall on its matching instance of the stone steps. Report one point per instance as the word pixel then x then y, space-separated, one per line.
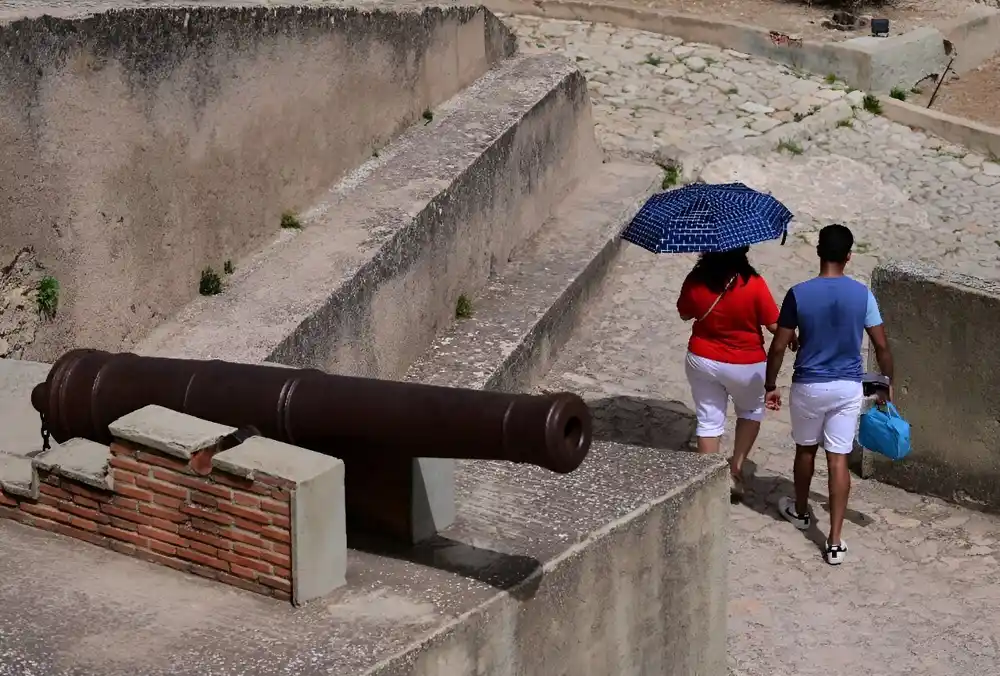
pixel 374 274
pixel 522 319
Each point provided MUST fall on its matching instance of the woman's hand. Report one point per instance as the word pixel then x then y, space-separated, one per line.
pixel 772 400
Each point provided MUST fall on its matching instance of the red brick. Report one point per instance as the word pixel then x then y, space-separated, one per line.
pixel 232 481
pixel 274 482
pixel 93 494
pixel 123 535
pixel 210 573
pixel 247 573
pixel 201 461
pixel 16 515
pixel 194 483
pixel 133 492
pixel 263 555
pixel 281 522
pixel 163 524
pixel 69 531
pixel 277 535
pixel 7 501
pixel 246 500
pixel 201 513
pixel 275 507
pixel 275 582
pixel 247 525
pixel 205 538
pixel 122 477
pixel 162 536
pixel 281 495
pixel 161 461
pixel 280 548
pixel 208 526
pixel 283 572
pixel 122 502
pixel 259 566
pixel 48 500
pixel 248 538
pixel 203 559
pixel 164 514
pixel 162 548
pixel 127 515
pixel 130 465
pixel 204 549
pixel 204 499
pixel 84 524
pixel 84 512
pixel 121 448
pixel 162 560
pixel 122 547
pixel 281 596
pixel 45 512
pixel 246 513
pixel 86 502
pixel 167 501
pixel 53 491
pixel 243 584
pixel 162 487
pixel 123 524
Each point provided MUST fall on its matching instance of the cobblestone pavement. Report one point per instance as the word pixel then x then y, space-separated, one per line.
pixel 656 98
pixel 920 593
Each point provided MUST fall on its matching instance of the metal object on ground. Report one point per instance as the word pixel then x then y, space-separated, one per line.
pixel 373 421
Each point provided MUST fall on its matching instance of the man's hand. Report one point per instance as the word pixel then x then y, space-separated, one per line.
pixel 884 395
pixel 793 344
pixel 773 400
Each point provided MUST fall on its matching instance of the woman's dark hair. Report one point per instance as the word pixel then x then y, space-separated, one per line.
pixel 714 270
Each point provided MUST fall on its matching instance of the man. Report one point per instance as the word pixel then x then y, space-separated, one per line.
pixel 831 313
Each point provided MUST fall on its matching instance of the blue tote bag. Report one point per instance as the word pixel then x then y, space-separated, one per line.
pixel 884 431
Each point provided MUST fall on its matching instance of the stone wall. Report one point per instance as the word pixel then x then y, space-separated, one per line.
pixel 260 515
pixel 942 328
pixel 143 146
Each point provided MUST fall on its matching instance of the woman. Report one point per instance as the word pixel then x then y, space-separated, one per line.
pixel 730 303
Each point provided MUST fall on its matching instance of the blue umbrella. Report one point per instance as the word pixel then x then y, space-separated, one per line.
pixel 702 218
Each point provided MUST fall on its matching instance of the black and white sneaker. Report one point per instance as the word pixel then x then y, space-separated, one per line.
pixel 835 554
pixel 787 508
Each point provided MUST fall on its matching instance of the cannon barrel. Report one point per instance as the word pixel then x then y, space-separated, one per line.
pixel 87 390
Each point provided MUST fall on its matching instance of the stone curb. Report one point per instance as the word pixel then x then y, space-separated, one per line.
pixel 972 135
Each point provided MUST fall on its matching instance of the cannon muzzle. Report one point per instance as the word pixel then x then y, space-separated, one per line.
pixel 348 417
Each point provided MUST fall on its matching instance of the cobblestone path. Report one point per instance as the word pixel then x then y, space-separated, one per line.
pixel 920 593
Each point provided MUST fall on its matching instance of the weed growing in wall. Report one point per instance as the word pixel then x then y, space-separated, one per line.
pixel 428 116
pixel 228 267
pixel 289 221
pixel 47 297
pixel 872 104
pixel 463 308
pixel 210 284
pixel 898 93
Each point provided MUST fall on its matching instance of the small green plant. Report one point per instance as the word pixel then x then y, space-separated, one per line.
pixel 814 109
pixel 846 122
pixel 671 176
pixel 289 221
pixel 789 146
pixel 916 90
pixel 228 267
pixel 709 60
pixel 652 60
pixel 871 104
pixel 47 297
pixel 210 283
pixel 428 116
pixel 463 308
pixel 831 79
pixel 898 93
pixel 798 117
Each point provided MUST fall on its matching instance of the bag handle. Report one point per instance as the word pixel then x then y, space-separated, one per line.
pixel 716 302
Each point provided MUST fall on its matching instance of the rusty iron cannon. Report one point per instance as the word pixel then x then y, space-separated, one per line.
pixel 383 430
pixel 343 416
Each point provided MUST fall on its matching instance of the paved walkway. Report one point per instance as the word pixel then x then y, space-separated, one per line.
pixel 920 593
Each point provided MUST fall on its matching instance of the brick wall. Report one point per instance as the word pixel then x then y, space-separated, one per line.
pixel 178 509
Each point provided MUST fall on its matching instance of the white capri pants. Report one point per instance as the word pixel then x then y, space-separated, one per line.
pixel 826 414
pixel 714 382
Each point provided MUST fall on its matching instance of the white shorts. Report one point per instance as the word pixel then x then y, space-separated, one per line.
pixel 826 414
pixel 714 382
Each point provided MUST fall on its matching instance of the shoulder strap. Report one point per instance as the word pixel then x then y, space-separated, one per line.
pixel 716 301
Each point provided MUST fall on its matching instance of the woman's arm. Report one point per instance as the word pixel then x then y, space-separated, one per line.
pixel 684 302
pixel 771 328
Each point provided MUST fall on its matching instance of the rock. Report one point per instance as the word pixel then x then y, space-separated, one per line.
pixel 754 108
pixel 4 347
pixel 696 64
pixel 973 160
pixel 991 169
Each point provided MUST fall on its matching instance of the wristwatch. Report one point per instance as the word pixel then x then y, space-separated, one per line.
pixel 770 388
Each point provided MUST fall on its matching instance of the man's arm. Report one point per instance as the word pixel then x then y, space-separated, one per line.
pixel 875 329
pixel 788 321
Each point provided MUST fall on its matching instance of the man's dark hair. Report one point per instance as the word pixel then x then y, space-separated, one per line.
pixel 835 243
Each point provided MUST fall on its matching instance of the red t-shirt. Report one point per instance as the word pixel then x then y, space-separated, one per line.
pixel 731 333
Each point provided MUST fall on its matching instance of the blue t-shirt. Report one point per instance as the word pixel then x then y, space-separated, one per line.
pixel 831 314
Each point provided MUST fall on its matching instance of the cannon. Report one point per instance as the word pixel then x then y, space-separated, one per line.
pixel 377 427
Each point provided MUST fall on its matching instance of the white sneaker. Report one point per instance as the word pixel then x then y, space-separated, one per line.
pixel 835 554
pixel 787 508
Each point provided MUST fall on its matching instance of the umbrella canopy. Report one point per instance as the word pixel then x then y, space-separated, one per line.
pixel 701 218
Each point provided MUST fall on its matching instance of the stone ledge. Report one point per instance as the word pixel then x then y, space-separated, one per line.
pixel 975 136
pixel 266 517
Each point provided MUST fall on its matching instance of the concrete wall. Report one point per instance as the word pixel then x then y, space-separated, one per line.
pixel 975 35
pixel 141 146
pixel 942 329
pixel 975 136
